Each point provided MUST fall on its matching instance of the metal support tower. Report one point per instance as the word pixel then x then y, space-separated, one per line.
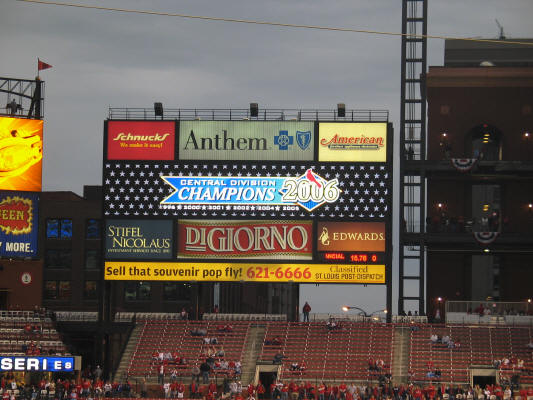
pixel 412 151
pixel 27 95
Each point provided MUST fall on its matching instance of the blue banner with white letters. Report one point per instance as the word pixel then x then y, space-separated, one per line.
pixel 39 363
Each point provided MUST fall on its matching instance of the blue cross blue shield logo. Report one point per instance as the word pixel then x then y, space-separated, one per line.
pixel 283 140
pixel 303 138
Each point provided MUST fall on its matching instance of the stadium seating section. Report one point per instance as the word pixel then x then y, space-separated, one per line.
pixel 342 354
pixel 16 340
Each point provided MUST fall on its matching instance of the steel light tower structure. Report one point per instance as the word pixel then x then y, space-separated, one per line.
pixel 412 154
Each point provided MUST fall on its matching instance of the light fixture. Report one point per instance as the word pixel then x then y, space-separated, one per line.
pixel 254 110
pixel 439 299
pixel 444 134
pixel 158 109
pixel 344 308
pixel 527 135
pixel 341 110
pixel 486 250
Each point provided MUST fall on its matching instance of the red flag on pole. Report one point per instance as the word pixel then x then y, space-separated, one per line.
pixel 42 65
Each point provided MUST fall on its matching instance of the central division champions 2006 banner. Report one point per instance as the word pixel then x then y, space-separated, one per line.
pixel 228 191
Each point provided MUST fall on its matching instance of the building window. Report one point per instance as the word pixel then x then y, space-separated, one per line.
pixel 58 258
pixel 92 229
pixel 50 290
pixel 64 290
pixel 57 290
pixel 137 291
pixel 59 228
pixel 90 292
pixel 486 142
pixel 176 291
pixel 92 259
pixel 52 228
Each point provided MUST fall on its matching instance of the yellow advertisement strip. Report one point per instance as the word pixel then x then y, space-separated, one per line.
pixel 352 142
pixel 235 272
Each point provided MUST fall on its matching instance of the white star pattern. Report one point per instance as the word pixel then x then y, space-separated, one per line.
pixel 137 195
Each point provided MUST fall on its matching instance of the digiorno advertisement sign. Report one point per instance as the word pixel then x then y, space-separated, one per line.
pixel 351 236
pixel 138 239
pixel 282 240
pixel 352 141
pixel 21 153
pixel 18 224
pixel 140 140
pixel 246 140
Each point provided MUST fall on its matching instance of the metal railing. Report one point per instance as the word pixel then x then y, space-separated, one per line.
pixel 489 312
pixel 244 114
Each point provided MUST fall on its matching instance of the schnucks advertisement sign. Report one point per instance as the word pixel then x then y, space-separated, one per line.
pixel 246 140
pixel 351 236
pixel 18 224
pixel 21 154
pixel 352 141
pixel 281 240
pixel 138 239
pixel 140 140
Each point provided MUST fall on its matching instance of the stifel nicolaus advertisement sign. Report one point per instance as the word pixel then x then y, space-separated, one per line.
pixel 21 153
pixel 352 141
pixel 139 239
pixel 18 224
pixel 351 236
pixel 140 140
pixel 282 240
pixel 246 140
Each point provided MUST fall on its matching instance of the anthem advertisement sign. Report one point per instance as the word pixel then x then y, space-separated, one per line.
pixel 140 140
pixel 139 239
pixel 352 141
pixel 21 154
pixel 281 240
pixel 351 236
pixel 246 140
pixel 18 224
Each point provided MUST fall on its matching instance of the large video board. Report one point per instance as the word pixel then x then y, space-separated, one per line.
pixel 261 201
pixel 21 153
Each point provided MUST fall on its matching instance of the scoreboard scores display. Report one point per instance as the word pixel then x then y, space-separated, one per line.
pixel 262 201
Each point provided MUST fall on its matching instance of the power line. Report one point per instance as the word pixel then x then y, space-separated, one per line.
pixel 269 23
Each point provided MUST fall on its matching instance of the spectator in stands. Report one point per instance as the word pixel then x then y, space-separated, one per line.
pixel 161 374
pixel 295 366
pixel 332 324
pixel 433 338
pixel 220 352
pixel 278 358
pixel 306 310
pixel 204 370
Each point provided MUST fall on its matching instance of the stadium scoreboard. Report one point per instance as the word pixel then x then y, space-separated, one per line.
pixel 261 201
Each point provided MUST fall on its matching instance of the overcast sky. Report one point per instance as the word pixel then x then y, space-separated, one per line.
pixel 103 59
